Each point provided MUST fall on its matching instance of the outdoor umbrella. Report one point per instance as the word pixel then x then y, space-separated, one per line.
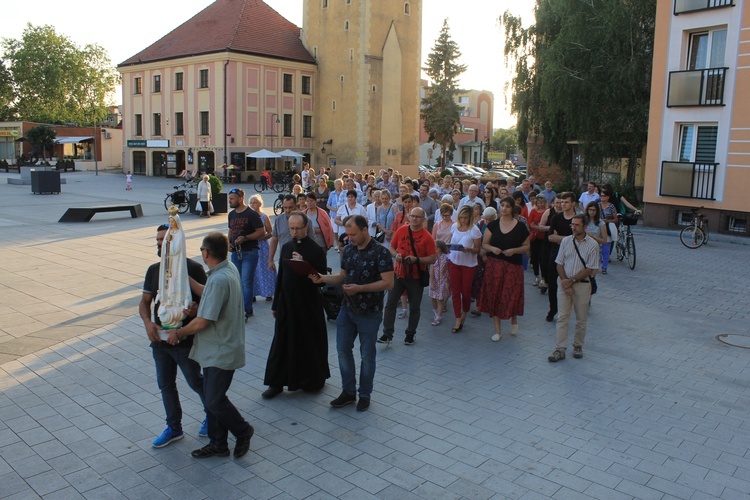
pixel 289 152
pixel 264 153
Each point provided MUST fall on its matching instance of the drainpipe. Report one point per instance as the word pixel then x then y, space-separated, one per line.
pixel 225 111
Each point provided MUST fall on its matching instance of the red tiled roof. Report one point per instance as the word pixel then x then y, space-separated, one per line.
pixel 246 26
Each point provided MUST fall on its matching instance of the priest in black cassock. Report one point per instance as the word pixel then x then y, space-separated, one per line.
pixel 298 358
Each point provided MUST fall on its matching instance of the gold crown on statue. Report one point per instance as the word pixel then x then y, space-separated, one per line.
pixel 173 210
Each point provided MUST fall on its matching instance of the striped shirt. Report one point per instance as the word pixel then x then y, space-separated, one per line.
pixel 568 257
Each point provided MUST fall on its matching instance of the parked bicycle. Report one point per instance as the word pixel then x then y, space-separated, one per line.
pixel 263 183
pixel 625 240
pixel 180 197
pixel 696 234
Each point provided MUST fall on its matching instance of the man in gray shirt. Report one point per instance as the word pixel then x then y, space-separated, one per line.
pixel 427 204
pixel 280 233
pixel 219 347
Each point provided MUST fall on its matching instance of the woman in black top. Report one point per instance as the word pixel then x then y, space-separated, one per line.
pixel 502 295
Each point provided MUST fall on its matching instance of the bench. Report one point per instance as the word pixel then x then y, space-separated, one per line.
pixel 8 168
pixel 85 214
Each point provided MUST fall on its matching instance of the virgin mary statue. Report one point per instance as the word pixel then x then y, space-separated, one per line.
pixel 174 286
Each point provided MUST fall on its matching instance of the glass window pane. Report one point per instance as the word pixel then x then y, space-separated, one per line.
pixel 718 47
pixel 686 142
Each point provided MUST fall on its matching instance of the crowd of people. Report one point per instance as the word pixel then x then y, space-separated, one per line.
pixel 469 243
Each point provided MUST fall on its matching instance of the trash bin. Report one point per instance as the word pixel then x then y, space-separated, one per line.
pixel 45 181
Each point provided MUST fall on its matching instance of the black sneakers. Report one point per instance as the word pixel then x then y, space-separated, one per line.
pixel 385 339
pixel 409 340
pixel 344 399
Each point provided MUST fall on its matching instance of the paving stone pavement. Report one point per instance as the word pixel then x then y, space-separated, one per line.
pixel 657 408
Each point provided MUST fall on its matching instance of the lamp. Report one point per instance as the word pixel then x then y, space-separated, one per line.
pixel 277 130
pixel 323 149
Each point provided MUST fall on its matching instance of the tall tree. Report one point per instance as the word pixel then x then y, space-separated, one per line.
pixel 55 81
pixel 7 96
pixel 440 111
pixel 505 140
pixel 583 72
pixel 42 138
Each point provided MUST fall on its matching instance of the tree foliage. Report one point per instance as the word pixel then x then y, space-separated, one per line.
pixel 41 137
pixel 55 81
pixel 505 140
pixel 583 72
pixel 440 111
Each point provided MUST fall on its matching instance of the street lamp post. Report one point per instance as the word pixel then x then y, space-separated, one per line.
pixel 272 122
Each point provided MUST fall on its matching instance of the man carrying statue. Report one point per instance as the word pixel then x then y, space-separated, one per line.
pixel 167 283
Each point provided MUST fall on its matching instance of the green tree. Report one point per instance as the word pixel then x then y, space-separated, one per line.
pixel 7 96
pixel 505 140
pixel 55 81
pixel 440 111
pixel 583 72
pixel 41 137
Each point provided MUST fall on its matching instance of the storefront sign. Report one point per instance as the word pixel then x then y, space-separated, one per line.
pixel 8 133
pixel 157 143
pixel 136 144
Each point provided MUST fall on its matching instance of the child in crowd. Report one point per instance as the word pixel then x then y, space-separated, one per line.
pixel 440 289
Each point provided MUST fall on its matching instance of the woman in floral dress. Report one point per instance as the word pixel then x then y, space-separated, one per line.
pixel 264 281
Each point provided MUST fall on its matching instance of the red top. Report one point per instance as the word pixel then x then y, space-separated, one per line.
pixel 534 218
pixel 423 242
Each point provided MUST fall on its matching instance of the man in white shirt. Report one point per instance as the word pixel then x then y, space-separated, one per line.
pixel 588 196
pixel 472 198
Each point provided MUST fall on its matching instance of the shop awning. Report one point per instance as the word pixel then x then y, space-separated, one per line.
pixel 72 139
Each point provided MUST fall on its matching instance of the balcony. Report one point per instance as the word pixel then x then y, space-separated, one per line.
pixel 688 180
pixel 683 6
pixel 700 87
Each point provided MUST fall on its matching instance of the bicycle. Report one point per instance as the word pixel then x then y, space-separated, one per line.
pixel 277 204
pixel 263 183
pixel 625 240
pixel 180 197
pixel 696 234
pixel 281 182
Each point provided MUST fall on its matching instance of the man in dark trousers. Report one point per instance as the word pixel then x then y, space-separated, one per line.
pixel 167 357
pixel 559 228
pixel 219 347
pixel 298 357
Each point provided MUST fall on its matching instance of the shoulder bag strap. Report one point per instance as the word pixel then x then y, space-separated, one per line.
pixel 579 253
pixel 413 248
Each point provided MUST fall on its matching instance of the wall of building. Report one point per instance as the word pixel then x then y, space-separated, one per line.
pixel 368 88
pixel 255 99
pixel 732 174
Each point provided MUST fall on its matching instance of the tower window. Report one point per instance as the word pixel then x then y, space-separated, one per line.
pixel 346 25
pixel 325 4
pixel 374 88
pixel 333 105
pixel 341 78
pixel 407 8
pixel 351 54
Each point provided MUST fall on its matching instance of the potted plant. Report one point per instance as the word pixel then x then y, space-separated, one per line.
pixel 218 199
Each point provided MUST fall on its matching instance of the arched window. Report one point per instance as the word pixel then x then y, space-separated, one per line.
pixel 407 8
pixel 346 25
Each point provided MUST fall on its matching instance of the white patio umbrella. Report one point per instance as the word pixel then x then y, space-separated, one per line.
pixel 289 152
pixel 264 153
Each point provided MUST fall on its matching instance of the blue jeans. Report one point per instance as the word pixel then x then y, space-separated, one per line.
pixel 167 360
pixel 222 415
pixel 246 262
pixel 348 326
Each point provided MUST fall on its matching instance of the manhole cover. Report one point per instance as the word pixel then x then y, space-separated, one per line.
pixel 734 340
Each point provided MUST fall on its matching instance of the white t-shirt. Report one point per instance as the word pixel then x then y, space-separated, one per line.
pixel 344 211
pixel 465 239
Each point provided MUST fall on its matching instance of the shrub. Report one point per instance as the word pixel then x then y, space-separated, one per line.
pixel 216 185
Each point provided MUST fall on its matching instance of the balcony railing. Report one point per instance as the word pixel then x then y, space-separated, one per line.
pixel 688 180
pixel 683 6
pixel 701 87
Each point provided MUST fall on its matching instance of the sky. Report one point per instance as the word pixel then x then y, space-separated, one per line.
pixel 126 28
